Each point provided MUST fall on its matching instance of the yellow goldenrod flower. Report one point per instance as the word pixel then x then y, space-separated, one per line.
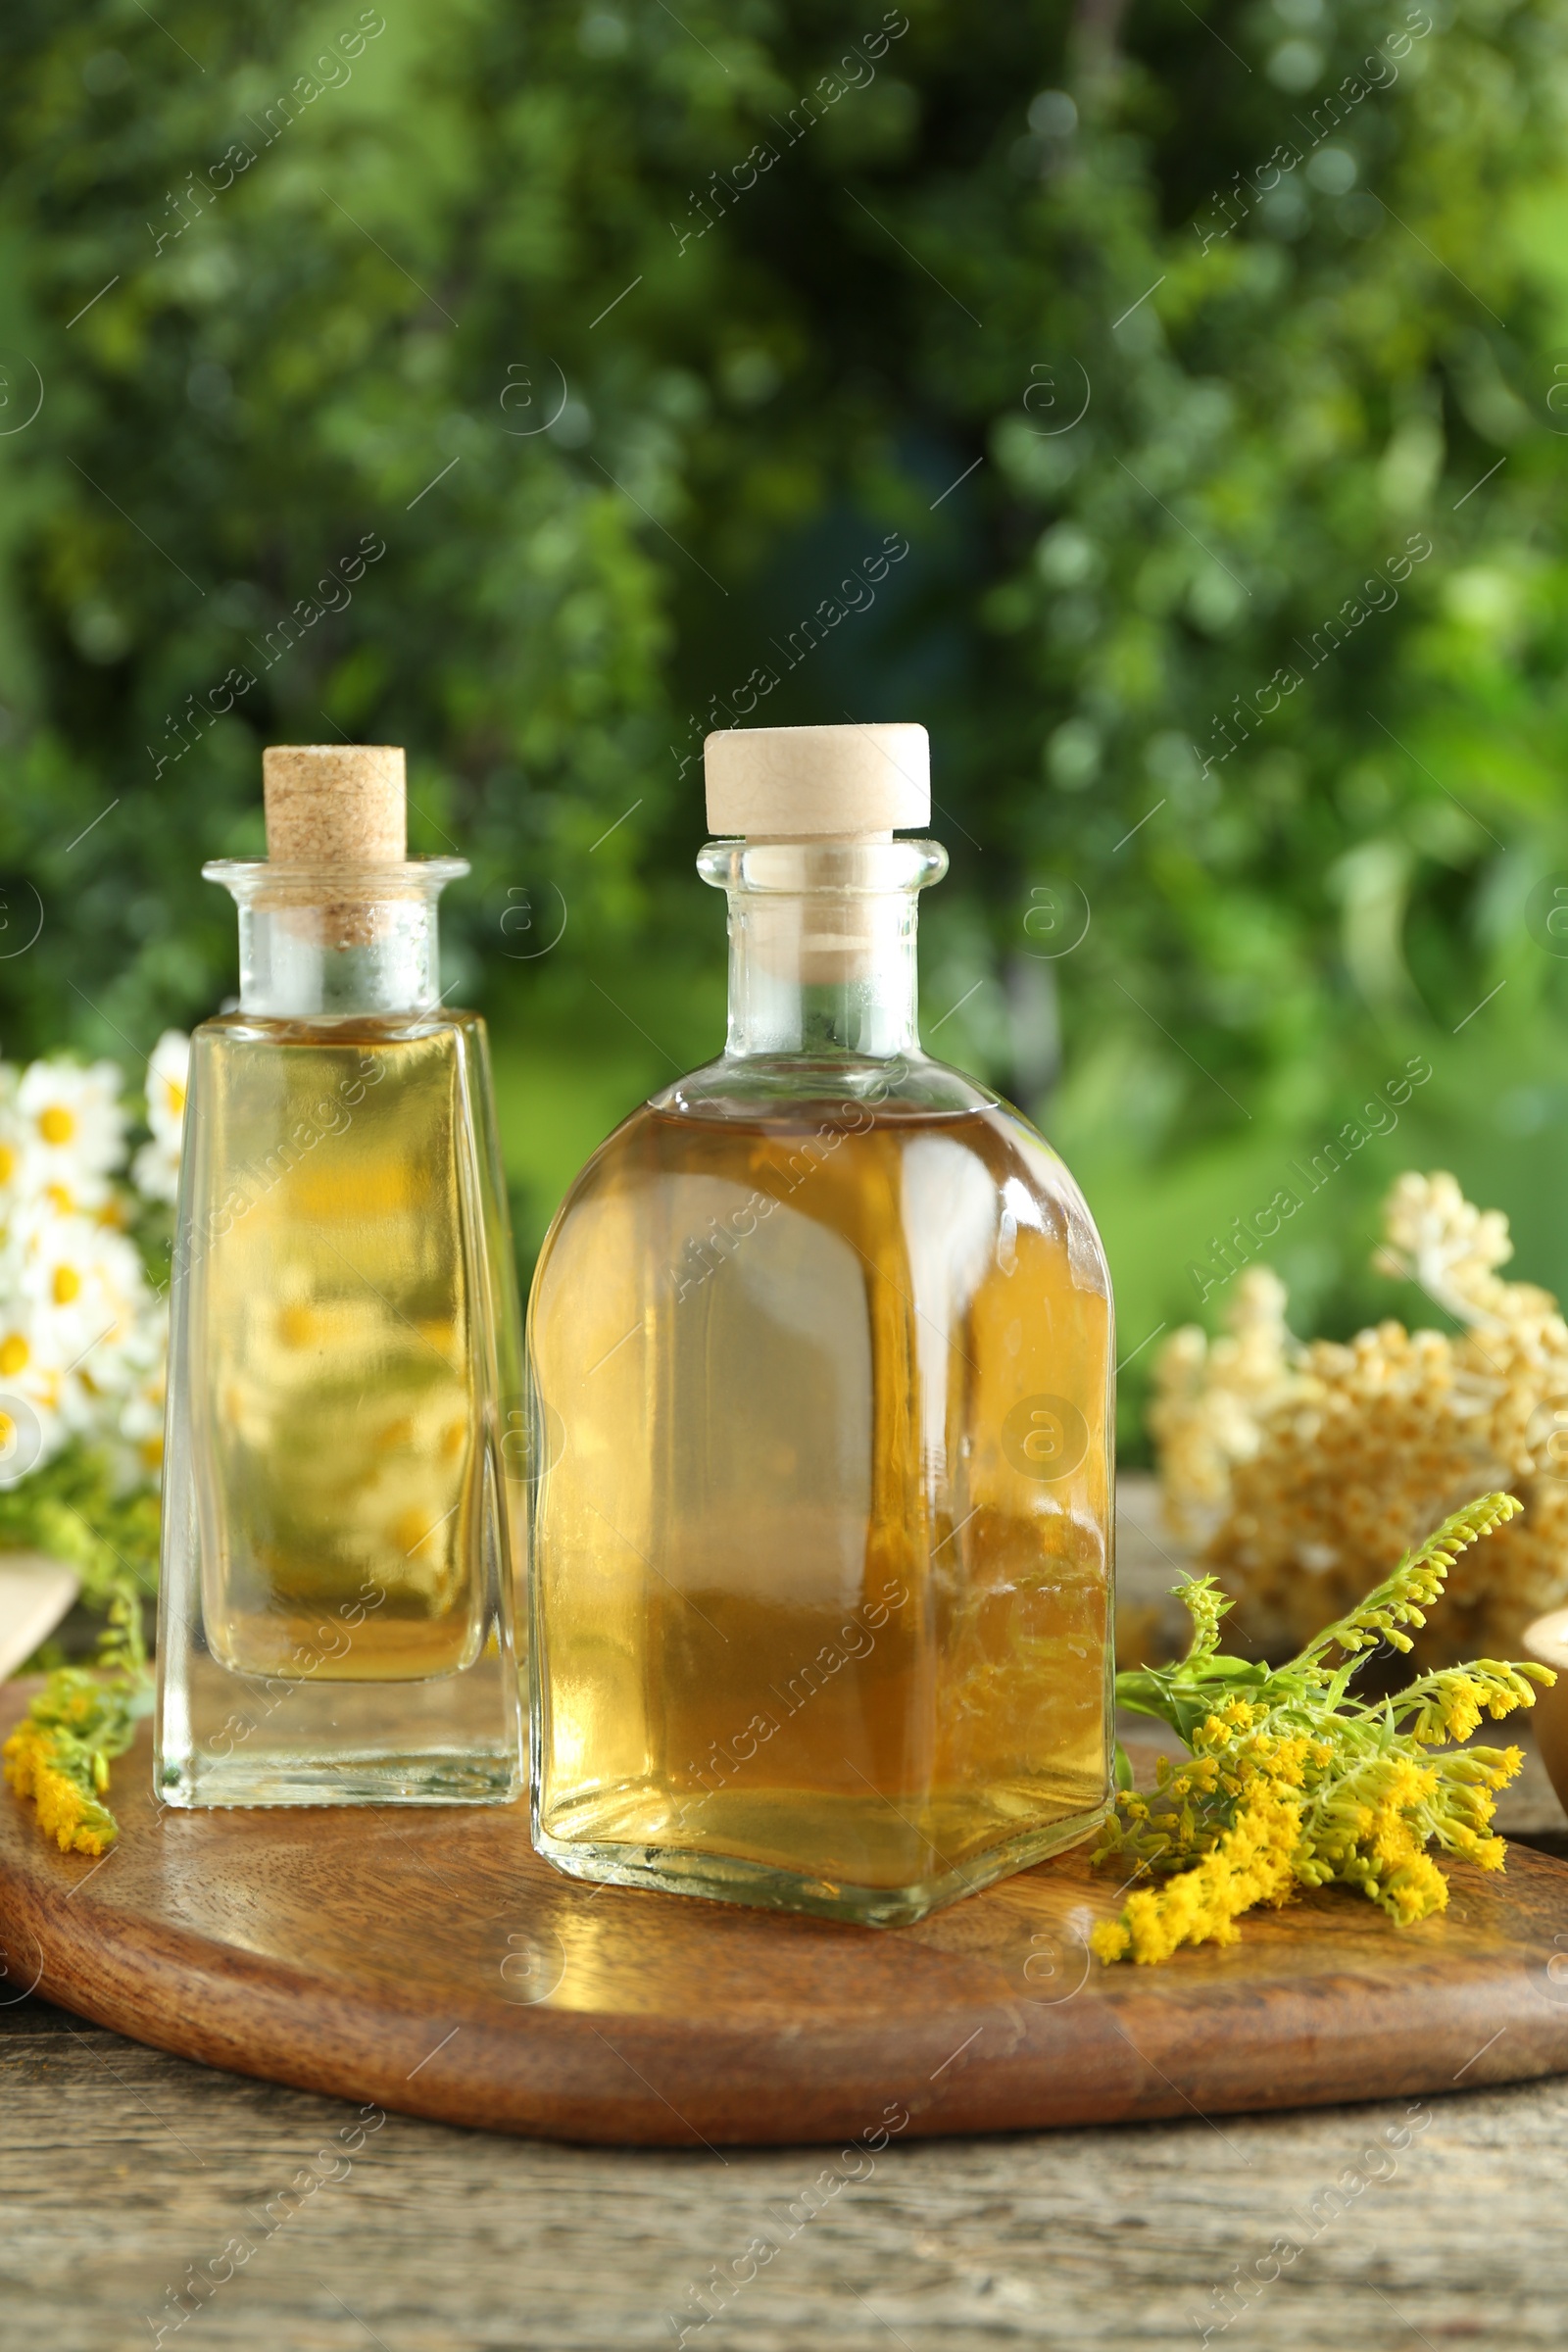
pixel 1294 1783
pixel 74 1819
pixel 60 1753
pixel 1251 1863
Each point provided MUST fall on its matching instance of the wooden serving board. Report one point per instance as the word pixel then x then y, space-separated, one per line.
pixel 429 1960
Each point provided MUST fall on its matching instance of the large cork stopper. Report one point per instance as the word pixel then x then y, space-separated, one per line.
pixel 340 805
pixel 803 783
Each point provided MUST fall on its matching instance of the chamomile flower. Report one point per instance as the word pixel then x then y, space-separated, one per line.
pixel 82 1349
pixel 135 1442
pixel 11 1139
pixel 31 1384
pixel 72 1131
pixel 84 1284
pixel 156 1167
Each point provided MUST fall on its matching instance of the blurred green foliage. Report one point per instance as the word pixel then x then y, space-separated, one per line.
pixel 516 295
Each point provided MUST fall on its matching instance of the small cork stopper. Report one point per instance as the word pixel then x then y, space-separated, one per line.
pixel 338 804
pixel 801 783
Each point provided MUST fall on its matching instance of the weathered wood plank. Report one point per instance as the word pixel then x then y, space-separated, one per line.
pixel 123 2166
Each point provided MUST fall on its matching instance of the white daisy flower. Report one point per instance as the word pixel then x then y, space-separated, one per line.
pixel 32 1426
pixel 83 1340
pixel 72 1130
pixel 83 1285
pixel 138 1456
pixel 30 1434
pixel 156 1167
pixel 11 1138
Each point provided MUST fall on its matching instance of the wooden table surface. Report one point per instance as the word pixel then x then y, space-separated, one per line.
pixel 123 2172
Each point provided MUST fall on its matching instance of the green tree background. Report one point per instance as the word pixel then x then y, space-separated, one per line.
pixel 1160 336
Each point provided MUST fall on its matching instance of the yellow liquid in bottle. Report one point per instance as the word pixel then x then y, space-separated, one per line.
pixel 338 1428
pixel 822 1572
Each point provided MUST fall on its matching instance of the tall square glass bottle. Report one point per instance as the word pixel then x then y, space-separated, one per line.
pixel 336 1610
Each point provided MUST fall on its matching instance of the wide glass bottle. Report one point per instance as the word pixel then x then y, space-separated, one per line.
pixel 336 1612
pixel 821 1372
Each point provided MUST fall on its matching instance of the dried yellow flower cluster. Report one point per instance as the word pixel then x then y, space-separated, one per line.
pixel 1294 1783
pixel 61 1751
pixel 71 1815
pixel 1249 1863
pixel 1300 1472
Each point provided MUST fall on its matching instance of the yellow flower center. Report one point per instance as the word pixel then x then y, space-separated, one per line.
pixel 14 1354
pixel 55 1125
pixel 8 1163
pixel 409 1530
pixel 67 1284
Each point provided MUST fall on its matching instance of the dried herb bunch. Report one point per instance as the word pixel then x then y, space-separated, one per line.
pixel 1294 1783
pixel 1300 1472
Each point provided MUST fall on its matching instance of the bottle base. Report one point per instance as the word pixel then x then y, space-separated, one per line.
pixel 369 1780
pixel 762 1886
pixel 227 1739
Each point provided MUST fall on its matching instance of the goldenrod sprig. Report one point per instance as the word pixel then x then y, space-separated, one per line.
pixel 1450 1706
pixel 1418 1582
pixel 1293 1784
pixel 61 1751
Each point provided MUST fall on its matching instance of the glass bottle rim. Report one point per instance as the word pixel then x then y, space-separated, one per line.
pixel 255 880
pixel 857 865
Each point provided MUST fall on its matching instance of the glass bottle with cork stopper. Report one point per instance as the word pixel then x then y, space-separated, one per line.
pixel 336 1611
pixel 820 1348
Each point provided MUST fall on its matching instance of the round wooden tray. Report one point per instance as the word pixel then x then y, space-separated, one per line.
pixel 426 1959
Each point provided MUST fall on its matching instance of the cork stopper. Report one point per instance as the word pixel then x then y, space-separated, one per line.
pixel 335 804
pixel 804 783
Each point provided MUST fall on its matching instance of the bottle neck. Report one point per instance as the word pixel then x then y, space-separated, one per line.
pixel 822 943
pixel 322 944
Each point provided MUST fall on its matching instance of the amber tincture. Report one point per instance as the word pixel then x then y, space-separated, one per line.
pixel 821 1362
pixel 337 1403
